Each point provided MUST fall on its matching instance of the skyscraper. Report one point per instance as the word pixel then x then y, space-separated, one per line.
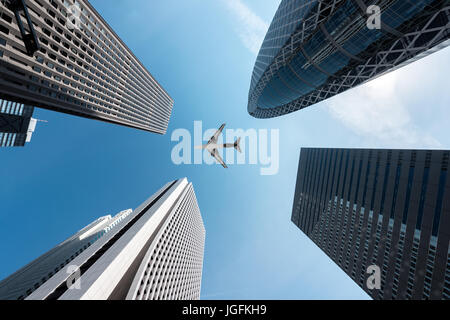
pixel 317 49
pixel 61 55
pixel 16 124
pixel 153 252
pixel 388 209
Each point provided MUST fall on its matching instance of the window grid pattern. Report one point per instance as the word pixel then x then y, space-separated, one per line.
pixel 7 139
pixel 86 71
pixel 174 267
pixel 377 239
pixel 446 293
pixel 413 264
pixel 333 51
pixel 354 236
pixel 14 120
pixel 431 258
pixel 14 108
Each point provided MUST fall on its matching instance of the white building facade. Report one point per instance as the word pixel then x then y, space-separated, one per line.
pixel 152 253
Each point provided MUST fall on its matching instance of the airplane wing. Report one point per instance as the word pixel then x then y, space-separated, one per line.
pixel 217 156
pixel 216 135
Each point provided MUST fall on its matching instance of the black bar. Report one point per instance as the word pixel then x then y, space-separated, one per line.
pixel 29 38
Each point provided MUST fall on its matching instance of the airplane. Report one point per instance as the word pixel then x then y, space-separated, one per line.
pixel 213 147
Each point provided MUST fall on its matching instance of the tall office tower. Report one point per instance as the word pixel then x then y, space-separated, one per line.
pixel 319 48
pixel 382 211
pixel 153 252
pixel 29 278
pixel 61 55
pixel 16 124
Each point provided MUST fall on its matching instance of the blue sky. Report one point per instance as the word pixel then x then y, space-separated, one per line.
pixel 203 53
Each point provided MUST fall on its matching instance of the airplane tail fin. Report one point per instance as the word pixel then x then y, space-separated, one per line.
pixel 237 145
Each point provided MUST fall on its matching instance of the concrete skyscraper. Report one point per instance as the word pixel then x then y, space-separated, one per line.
pixel 153 252
pixel 317 49
pixel 388 209
pixel 16 124
pixel 62 56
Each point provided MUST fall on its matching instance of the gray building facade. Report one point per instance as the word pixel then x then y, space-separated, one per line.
pixel 152 253
pixel 61 55
pixel 16 124
pixel 316 49
pixel 383 208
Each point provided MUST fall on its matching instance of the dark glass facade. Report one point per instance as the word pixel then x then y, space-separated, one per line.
pixel 316 49
pixel 384 208
pixel 14 123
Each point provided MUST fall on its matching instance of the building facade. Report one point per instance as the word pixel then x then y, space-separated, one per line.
pixel 317 49
pixel 16 124
pixel 153 252
pixel 379 212
pixel 64 57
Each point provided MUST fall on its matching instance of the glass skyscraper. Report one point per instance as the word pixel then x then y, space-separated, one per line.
pixel 16 124
pixel 152 253
pixel 64 57
pixel 317 49
pixel 384 208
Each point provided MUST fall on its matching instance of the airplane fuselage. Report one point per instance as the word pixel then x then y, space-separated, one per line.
pixel 212 146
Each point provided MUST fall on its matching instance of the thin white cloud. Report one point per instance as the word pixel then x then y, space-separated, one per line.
pixel 251 28
pixel 380 112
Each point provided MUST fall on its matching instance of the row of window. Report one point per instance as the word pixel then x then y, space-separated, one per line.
pixel 92 239
pixel 174 268
pixel 97 87
pixel 328 232
pixel 104 40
